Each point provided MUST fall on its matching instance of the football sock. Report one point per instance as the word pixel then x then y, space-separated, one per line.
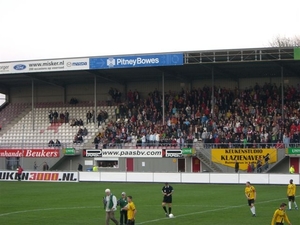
pixel 170 210
pixel 252 209
pixel 164 207
pixel 295 205
pixel 290 205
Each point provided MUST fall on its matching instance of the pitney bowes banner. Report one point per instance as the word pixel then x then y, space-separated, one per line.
pixel 136 61
pixel 45 66
pixel 40 176
pixel 132 153
pixel 30 153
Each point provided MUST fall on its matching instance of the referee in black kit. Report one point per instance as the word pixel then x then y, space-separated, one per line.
pixel 167 191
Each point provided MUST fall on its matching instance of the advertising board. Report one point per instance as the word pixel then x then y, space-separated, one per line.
pixel 132 153
pixel 30 153
pixel 40 176
pixel 50 65
pixel 136 61
pixel 243 156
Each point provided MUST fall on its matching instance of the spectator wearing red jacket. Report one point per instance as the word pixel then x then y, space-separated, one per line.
pixel 19 173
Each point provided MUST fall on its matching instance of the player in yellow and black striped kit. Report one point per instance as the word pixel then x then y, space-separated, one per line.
pixel 291 193
pixel 250 193
pixel 280 216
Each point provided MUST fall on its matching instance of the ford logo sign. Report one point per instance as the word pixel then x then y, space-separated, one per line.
pixel 19 67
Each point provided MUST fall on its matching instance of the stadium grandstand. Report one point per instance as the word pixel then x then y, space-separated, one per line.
pixel 246 98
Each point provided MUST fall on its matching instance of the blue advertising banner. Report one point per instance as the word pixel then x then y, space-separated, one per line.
pixel 136 61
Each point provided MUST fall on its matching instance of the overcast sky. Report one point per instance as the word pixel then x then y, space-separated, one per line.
pixel 41 29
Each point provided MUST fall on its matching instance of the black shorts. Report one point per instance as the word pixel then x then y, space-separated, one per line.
pixel 130 222
pixel 167 199
pixel 291 198
pixel 250 201
pixel 278 223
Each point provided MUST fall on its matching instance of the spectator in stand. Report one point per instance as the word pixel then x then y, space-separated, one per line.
pixel 50 116
pixel 57 143
pixel 51 143
pixel 62 117
pixel 55 116
pixel 84 132
pixel 78 139
pixel 286 140
pixel 73 101
pixel 45 166
pixel 249 168
pixel 89 117
pixel 180 142
pixel 259 165
pixel 93 116
pixel 73 122
pixel 19 173
pixel 79 167
pixel 99 119
pixel 67 116
pixel 80 122
pixel 96 142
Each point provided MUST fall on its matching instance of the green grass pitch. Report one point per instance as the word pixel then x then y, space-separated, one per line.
pixel 81 203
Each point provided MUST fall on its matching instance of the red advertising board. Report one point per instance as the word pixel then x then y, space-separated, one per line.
pixel 30 153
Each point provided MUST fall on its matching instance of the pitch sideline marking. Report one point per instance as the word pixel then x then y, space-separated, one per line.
pixel 48 209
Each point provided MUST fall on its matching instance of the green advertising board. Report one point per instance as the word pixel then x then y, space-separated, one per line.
pixel 69 151
pixel 294 152
pixel 187 151
pixel 296 53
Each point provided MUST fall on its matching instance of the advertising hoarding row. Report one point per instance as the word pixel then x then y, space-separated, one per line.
pixel 94 63
pixel 137 153
pixel 45 66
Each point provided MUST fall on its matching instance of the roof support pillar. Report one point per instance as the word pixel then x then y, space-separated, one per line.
pixel 95 100
pixel 32 103
pixel 212 91
pixel 282 95
pixel 163 97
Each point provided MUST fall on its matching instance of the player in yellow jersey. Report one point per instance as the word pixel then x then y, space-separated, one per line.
pixel 131 211
pixel 250 193
pixel 280 216
pixel 291 192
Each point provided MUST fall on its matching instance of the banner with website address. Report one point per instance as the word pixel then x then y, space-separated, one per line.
pixel 243 156
pixel 136 61
pixel 40 176
pixel 45 66
pixel 132 153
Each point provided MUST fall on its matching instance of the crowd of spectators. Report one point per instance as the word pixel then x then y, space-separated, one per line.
pixel 115 94
pixel 54 117
pixel 82 132
pixel 51 143
pixel 233 118
pixel 76 122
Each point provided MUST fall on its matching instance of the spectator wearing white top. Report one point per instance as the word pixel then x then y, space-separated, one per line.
pixel 157 139
pixel 143 141
pixel 180 142
pixel 151 139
